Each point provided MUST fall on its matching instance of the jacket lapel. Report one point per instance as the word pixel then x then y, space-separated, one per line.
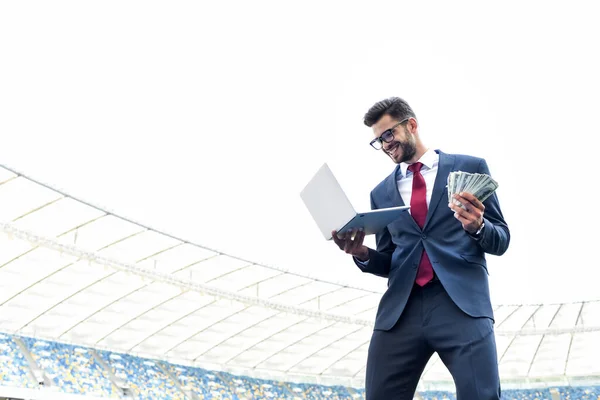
pixel 394 193
pixel 446 163
pixel 392 188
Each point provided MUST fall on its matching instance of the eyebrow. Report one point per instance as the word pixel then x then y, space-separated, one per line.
pixel 393 126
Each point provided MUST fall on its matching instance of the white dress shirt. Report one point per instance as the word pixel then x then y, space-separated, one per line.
pixel 429 171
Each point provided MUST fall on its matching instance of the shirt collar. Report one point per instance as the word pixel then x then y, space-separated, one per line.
pixel 429 158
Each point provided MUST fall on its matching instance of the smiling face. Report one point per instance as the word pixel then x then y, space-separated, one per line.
pixel 403 145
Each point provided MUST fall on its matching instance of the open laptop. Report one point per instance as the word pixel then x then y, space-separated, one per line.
pixel 331 209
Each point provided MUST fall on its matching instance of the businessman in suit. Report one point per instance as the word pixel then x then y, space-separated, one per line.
pixel 434 258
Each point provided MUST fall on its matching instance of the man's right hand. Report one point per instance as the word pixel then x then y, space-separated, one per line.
pixel 352 243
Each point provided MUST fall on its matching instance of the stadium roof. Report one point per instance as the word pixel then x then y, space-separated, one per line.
pixel 73 272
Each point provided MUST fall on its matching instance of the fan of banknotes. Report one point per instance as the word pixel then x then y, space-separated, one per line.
pixel 479 185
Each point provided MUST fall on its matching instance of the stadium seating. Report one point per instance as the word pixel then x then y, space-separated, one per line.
pixel 437 395
pixel 580 393
pixel 79 370
pixel 14 370
pixel 204 384
pixel 71 368
pixel 250 388
pixel 570 393
pixel 323 392
pixel 145 377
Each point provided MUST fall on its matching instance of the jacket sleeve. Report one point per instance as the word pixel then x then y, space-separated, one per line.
pixel 495 237
pixel 379 260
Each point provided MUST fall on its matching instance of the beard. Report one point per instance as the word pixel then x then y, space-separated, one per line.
pixel 408 149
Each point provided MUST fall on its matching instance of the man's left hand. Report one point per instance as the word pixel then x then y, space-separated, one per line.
pixel 471 218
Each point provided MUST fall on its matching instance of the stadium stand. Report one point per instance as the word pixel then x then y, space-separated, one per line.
pixel 199 381
pixel 145 377
pixel 241 386
pixel 72 271
pixel 564 393
pixel 14 370
pixel 76 370
pixel 324 392
pixel 71 368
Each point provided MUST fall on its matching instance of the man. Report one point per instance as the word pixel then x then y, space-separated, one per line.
pixel 434 258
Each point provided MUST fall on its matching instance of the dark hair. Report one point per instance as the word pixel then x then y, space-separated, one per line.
pixel 395 107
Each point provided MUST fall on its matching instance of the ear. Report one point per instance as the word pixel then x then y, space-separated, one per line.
pixel 412 125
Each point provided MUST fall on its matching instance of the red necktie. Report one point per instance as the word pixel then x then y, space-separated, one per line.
pixel 418 210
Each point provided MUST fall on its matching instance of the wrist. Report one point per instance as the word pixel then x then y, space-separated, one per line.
pixel 363 254
pixel 477 233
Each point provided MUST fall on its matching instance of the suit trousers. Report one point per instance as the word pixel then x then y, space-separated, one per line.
pixel 431 322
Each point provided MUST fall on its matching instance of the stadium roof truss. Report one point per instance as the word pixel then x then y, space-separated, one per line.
pixel 73 272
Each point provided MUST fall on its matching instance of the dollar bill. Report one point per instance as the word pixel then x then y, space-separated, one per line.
pixel 486 190
pixel 482 186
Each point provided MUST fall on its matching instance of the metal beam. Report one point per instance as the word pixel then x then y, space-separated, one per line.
pixel 196 332
pixel 149 228
pixel 571 340
pixel 327 344
pixel 173 280
pixel 162 328
pixel 514 336
pixel 271 355
pixel 344 356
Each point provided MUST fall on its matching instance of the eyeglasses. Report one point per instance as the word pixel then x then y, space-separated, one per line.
pixel 386 136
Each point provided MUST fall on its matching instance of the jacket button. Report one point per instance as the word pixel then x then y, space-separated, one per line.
pixel 423 236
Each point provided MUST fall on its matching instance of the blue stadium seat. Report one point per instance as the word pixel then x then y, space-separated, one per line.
pixel 14 370
pixel 74 369
pixel 250 388
pixel 145 377
pixel 203 383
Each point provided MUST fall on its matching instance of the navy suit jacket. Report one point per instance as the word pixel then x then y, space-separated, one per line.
pixel 457 258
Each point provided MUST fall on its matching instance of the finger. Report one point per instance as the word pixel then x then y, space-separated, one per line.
pixel 462 203
pixel 465 202
pixel 341 237
pixel 358 240
pixel 459 211
pixel 339 241
pixel 464 221
pixel 352 234
pixel 348 240
pixel 361 238
pixel 473 200
pixel 469 211
pixel 456 208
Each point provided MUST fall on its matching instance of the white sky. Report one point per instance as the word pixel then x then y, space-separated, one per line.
pixel 206 119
